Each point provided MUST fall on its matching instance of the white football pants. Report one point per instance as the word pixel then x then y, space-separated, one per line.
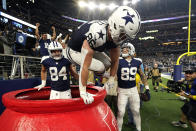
pixel 60 94
pixel 99 63
pixel 131 95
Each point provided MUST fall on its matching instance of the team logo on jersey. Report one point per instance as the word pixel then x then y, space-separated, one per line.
pixel 101 35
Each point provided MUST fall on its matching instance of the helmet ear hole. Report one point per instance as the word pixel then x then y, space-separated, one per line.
pixel 115 26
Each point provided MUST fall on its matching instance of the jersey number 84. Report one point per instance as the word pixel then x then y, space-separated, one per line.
pixel 55 75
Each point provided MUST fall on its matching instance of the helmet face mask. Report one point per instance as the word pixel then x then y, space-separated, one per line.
pixel 55 50
pixel 120 39
pixel 125 55
pixel 124 20
pixel 125 52
pixel 56 54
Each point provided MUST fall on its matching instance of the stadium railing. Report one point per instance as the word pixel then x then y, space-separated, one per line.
pixel 19 67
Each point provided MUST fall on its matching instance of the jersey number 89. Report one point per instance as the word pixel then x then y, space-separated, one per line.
pixel 55 75
pixel 126 71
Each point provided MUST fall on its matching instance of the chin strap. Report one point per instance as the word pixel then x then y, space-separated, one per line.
pixel 58 58
pixel 125 55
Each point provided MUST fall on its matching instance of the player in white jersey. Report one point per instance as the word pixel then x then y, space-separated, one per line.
pixel 59 69
pixel 127 90
pixel 88 43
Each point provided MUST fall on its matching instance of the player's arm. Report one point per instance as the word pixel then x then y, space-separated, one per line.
pixel 53 33
pixel 74 73
pixel 66 39
pixel 182 80
pixel 43 73
pixel 114 55
pixel 87 54
pixel 37 31
pixel 183 93
pixel 143 78
pixel 43 78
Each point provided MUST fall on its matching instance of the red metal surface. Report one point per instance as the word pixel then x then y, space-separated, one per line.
pixel 30 110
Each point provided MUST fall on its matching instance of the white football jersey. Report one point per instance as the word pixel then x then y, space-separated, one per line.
pixel 95 32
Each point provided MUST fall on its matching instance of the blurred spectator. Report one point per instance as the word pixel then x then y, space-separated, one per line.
pixel 35 51
pixel 44 40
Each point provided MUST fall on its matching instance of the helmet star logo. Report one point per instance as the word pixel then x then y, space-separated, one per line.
pixel 100 34
pixel 128 18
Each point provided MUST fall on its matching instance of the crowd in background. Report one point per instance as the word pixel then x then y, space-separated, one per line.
pixel 164 48
pixel 166 62
pixel 148 49
pixel 167 59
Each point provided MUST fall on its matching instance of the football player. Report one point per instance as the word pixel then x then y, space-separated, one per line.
pixel 59 69
pixel 88 43
pixel 127 90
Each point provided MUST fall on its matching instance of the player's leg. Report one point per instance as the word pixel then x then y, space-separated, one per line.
pixel 65 94
pixel 157 83
pixel 75 57
pixel 104 58
pixel 130 115
pixel 153 83
pixel 134 101
pixel 122 102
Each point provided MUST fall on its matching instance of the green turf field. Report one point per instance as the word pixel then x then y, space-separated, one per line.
pixel 157 114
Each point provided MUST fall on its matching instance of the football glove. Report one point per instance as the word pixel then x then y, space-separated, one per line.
pixel 110 83
pixel 87 97
pixel 145 96
pixel 43 84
